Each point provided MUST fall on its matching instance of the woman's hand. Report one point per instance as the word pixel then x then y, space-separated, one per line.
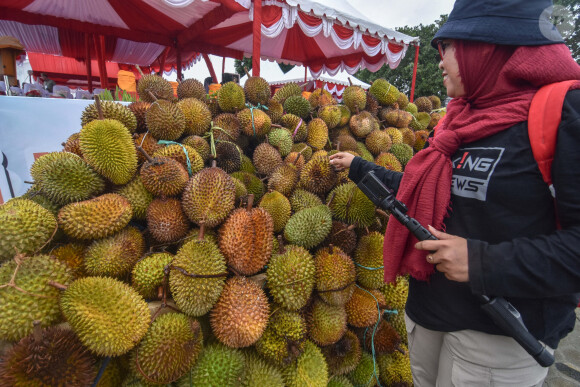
pixel 448 254
pixel 341 160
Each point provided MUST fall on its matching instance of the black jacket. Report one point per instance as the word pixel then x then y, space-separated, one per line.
pixel 501 205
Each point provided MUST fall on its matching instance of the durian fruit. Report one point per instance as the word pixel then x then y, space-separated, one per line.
pixel 241 190
pixel 435 118
pixel 408 136
pixel 241 314
pixel 369 260
pixel 283 180
pixel 362 124
pixel 148 274
pixel 363 151
pixel 166 221
pixel 253 184
pixel 217 366
pixel 260 373
pixel 197 276
pixel 318 176
pixel 111 110
pixel 424 104
pixel 25 227
pixel 257 90
pixel 182 153
pixel 339 381
pixel 420 121
pixel 350 205
pixel 308 227
pixel 148 143
pixel 398 118
pixel 197 116
pixel 138 196
pixel 231 97
pixel 326 323
pixel 364 307
pixel 108 316
pixel 291 277
pixel 168 350
pixel 321 97
pixel 275 111
pixel 51 357
pixel 397 320
pixel 402 152
pixel 302 199
pixel 355 98
pixel 226 127
pixel 395 369
pixel 411 108
pixel 278 206
pixel 372 105
pixel 113 374
pixel 296 125
pixel 266 158
pixel 396 294
pixel 72 144
pixel 378 141
pixel 389 161
pixel 309 369
pixel 395 134
pixel 346 142
pixel 247 165
pixel 116 255
pixel 366 372
pixel 228 156
pixel 288 90
pixel 385 339
pixel 335 275
pixel 402 101
pixel 73 254
pixel 139 109
pixel 317 134
pixel 284 337
pixel 191 88
pixel 165 120
pixel 163 176
pixel 384 92
pixel 245 239
pixel 296 159
pixel 297 105
pixel 95 218
pixel 26 295
pixel 435 102
pixel 281 139
pixel 345 115
pixel 212 103
pixel 254 122
pixel 343 236
pixel 331 115
pixel 107 146
pixel 343 356
pixel 199 144
pixel 421 137
pixel 156 85
pixel 65 177
pixel 209 197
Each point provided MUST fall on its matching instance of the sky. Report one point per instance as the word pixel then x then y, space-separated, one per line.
pixel 391 14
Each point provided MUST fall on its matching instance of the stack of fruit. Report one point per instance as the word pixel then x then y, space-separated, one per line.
pixel 207 241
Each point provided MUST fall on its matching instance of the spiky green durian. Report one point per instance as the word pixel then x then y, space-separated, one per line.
pixel 317 134
pixel 317 176
pixel 266 158
pixel 349 204
pixel 278 206
pixel 284 337
pixel 395 369
pixel 411 108
pixel 257 90
pixel 65 177
pixel 139 109
pixel 369 259
pixel 217 366
pixel 339 381
pixel 197 116
pixel 297 105
pixel 355 98
pixel 191 88
pixel 331 115
pixel 108 147
pixel 366 373
pixel 199 144
pixel 308 227
pixel 321 97
pixel 343 356
pixel 302 199
pixel 362 124
pixel 378 141
pixel 275 111
pixel 184 154
pixel 165 120
pixel 26 295
pixel 281 139
pixel 156 85
pixel 363 151
pixel 296 125
pixel 260 373
pixel 424 104
pixel 396 293
pixel 284 179
pixel 254 122
pixel 231 97
pixel 111 110
pixel 309 369
pixel 402 152
pixel 148 274
pixel 197 276
pixel 287 91
pixel 290 277
pixel 25 227
pixel 335 275
pixel 389 161
pixel 253 184
pixel 384 92
pixel 326 323
pixel 139 197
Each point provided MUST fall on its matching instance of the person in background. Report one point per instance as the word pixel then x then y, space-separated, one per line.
pixel 47 83
pixel 477 179
pixel 126 78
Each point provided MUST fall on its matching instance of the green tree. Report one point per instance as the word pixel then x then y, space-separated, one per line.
pixel 568 23
pixel 247 63
pixel 429 80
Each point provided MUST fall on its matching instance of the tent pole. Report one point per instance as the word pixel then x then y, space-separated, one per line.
pixel 210 67
pixel 161 59
pixel 88 62
pixel 305 73
pixel 223 66
pixel 100 61
pixel 178 60
pixel 414 73
pixel 257 38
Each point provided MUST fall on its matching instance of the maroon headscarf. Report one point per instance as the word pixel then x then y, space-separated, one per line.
pixel 499 83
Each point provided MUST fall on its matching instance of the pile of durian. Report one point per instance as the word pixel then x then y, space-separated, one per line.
pixel 207 241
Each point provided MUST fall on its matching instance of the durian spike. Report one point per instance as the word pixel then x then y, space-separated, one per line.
pixel 201 233
pixel 250 202
pixel 99 109
pixel 57 285
pixel 37 331
pixel 281 247
pixel 139 69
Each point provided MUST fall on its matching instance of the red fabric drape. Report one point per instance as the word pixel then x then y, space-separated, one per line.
pixel 312 21
pixel 271 14
pixel 342 32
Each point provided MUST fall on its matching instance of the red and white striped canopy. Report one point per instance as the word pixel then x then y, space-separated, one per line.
pixel 315 33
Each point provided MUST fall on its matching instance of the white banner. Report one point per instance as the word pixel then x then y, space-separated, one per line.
pixel 30 127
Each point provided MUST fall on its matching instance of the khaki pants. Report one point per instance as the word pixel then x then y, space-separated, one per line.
pixel 469 358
